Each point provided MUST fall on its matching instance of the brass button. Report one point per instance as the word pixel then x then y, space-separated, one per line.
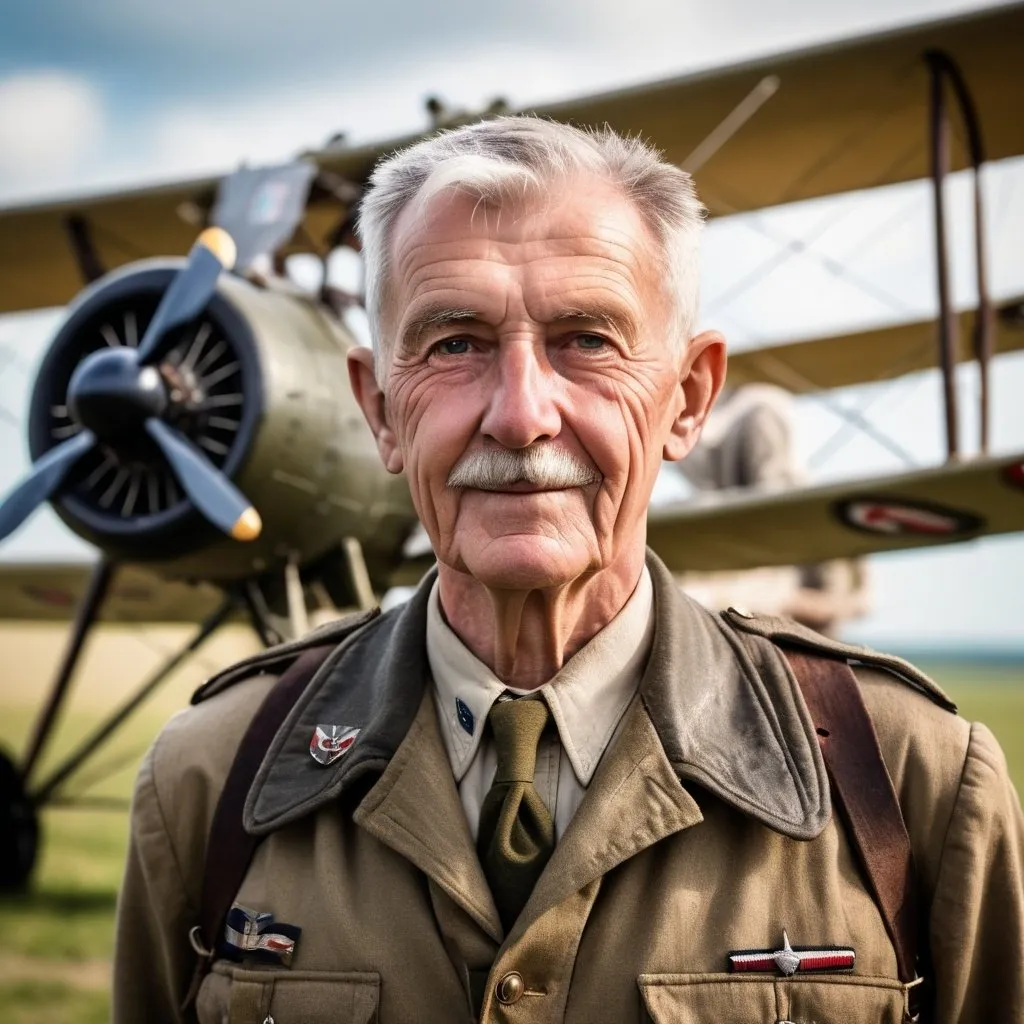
pixel 510 989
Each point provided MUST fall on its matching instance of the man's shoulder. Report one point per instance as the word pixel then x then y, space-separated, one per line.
pixel 196 748
pixel 923 740
pixel 904 681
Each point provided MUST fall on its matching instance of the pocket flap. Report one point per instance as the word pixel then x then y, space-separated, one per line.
pixel 242 995
pixel 737 999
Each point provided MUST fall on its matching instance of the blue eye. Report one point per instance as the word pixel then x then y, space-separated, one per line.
pixel 590 342
pixel 453 346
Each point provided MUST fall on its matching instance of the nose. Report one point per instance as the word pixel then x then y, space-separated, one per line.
pixel 523 407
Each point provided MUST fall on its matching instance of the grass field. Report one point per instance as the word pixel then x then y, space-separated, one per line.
pixel 58 940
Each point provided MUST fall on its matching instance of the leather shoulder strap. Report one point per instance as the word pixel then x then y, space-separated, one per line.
pixel 864 794
pixel 229 848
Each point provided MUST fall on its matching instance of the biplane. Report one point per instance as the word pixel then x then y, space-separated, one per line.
pixel 188 418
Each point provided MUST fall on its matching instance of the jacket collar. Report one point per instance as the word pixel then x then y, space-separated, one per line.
pixel 374 682
pixel 732 718
pixel 737 727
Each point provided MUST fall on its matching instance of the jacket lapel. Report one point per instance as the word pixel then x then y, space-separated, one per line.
pixel 634 800
pixel 706 713
pixel 415 809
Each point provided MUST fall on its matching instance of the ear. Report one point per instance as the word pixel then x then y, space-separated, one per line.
pixel 700 379
pixel 371 400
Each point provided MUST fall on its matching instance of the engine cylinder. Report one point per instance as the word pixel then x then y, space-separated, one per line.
pixel 259 383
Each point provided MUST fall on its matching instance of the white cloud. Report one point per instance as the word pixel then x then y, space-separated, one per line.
pixel 210 137
pixel 51 127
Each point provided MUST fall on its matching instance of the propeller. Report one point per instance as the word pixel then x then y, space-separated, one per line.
pixel 188 294
pixel 211 492
pixel 115 391
pixel 47 475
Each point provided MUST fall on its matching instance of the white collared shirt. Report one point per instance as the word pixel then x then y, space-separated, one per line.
pixel 587 699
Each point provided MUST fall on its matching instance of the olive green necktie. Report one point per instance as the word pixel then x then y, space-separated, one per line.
pixel 517 833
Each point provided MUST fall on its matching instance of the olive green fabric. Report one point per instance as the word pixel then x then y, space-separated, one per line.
pixel 517 832
pixel 656 879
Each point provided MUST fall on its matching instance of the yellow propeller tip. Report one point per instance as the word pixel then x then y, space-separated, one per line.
pixel 221 244
pixel 248 525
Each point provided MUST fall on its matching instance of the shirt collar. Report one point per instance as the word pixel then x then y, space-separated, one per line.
pixel 587 697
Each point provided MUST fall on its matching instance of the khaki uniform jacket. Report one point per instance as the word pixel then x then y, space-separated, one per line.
pixel 706 829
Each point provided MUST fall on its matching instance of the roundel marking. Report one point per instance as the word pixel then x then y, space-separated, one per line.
pixel 49 595
pixel 895 518
pixel 1014 474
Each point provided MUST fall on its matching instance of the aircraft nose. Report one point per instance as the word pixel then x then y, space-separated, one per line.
pixel 109 392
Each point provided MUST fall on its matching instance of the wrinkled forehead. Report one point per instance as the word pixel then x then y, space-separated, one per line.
pixel 587 218
pixel 577 205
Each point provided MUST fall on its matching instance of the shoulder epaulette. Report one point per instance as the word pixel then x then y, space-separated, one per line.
pixel 275 659
pixel 787 633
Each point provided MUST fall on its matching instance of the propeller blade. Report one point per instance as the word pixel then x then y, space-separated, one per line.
pixel 47 475
pixel 188 293
pixel 210 490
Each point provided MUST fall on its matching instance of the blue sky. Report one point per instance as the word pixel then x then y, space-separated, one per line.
pixel 119 92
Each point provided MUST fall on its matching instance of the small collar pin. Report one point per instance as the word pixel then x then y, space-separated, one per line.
pixel 464 715
pixel 329 742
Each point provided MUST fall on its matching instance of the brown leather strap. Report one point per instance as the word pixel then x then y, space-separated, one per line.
pixel 864 794
pixel 230 849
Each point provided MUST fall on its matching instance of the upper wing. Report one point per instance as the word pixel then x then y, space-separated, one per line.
pixel 868 356
pixel 849 115
pixel 952 502
pixel 846 116
pixel 50 591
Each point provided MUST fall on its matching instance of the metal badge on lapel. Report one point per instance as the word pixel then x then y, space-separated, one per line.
pixel 251 935
pixel 793 959
pixel 329 742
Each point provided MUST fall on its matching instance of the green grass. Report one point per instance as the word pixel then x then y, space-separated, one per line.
pixel 58 940
pixel 993 694
pixel 29 1002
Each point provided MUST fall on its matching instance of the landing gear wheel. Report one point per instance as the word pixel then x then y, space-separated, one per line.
pixel 19 829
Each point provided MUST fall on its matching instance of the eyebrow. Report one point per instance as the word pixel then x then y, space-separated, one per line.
pixel 610 316
pixel 433 317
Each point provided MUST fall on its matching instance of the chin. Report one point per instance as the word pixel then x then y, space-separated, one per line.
pixel 526 562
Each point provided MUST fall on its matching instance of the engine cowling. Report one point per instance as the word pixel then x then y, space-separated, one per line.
pixel 259 383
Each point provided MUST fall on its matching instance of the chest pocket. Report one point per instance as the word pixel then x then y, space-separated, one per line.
pixel 727 999
pixel 234 995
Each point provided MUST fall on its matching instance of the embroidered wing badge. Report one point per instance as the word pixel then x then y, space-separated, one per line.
pixel 794 959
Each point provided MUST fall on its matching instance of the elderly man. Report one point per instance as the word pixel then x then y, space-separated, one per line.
pixel 550 787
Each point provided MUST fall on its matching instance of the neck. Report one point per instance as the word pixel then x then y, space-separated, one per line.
pixel 526 636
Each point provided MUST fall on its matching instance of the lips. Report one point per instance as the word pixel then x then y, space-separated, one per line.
pixel 523 487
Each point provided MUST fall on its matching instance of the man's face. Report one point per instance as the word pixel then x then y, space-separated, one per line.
pixel 537 324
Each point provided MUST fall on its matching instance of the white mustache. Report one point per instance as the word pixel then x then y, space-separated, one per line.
pixel 494 469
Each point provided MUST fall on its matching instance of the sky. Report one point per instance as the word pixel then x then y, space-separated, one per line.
pixel 126 92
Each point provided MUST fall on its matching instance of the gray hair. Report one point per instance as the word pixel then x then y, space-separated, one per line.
pixel 510 157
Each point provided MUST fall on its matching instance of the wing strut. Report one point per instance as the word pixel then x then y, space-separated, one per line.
pixel 731 123
pixel 43 794
pixel 943 69
pixel 85 618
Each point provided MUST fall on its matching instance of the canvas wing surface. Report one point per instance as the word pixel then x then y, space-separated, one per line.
pixel 868 356
pixel 945 504
pixel 849 115
pixel 51 591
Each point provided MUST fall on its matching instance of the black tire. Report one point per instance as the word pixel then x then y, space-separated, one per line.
pixel 19 829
